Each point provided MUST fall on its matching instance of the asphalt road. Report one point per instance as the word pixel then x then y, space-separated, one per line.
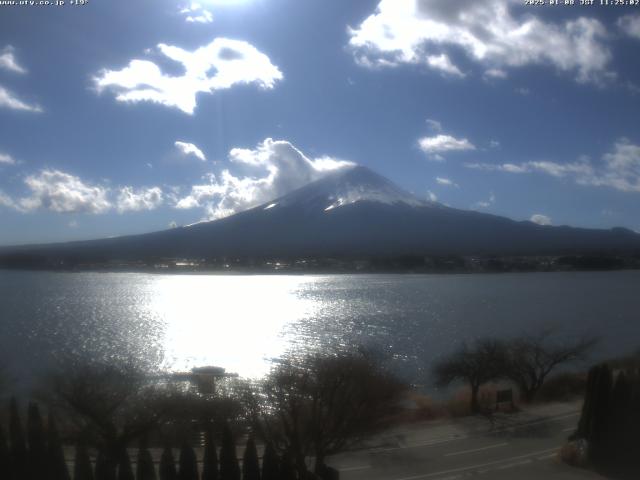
pixel 512 448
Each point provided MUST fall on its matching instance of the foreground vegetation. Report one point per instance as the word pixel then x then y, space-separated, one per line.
pixel 525 361
pixel 307 409
pixel 607 434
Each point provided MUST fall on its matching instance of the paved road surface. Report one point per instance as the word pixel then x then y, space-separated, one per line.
pixel 522 447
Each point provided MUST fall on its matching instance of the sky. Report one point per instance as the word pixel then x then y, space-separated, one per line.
pixel 121 117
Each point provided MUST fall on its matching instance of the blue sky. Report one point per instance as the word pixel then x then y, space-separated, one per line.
pixel 124 117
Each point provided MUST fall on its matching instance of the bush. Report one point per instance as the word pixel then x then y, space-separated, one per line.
pixel 459 404
pixel 575 453
pixel 563 387
pixel 210 459
pixel 82 469
pixel 168 465
pixel 426 408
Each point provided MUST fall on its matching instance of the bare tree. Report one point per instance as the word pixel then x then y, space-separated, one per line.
pixel 321 405
pixel 109 404
pixel 531 359
pixel 474 364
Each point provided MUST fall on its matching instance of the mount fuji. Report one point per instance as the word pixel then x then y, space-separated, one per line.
pixel 348 213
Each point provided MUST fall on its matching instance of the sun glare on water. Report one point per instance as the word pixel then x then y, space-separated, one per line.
pixel 237 323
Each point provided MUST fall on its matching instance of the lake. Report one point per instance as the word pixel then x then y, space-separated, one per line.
pixel 240 322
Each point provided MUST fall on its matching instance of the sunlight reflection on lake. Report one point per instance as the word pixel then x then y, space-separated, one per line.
pixel 240 322
pixel 203 314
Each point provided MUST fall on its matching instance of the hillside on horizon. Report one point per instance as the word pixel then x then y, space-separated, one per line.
pixel 353 212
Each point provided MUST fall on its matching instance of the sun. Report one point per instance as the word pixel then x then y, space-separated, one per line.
pixel 223 3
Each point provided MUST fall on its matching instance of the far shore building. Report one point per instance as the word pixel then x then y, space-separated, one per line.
pixel 202 380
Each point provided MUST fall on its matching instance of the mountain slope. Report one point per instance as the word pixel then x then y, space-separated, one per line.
pixel 348 213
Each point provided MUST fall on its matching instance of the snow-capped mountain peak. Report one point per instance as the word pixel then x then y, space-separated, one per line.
pixel 345 187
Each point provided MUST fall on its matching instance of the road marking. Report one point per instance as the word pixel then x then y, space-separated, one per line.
pixel 546 457
pixel 513 464
pixel 353 469
pixel 479 434
pixel 474 467
pixel 476 449
pixel 417 445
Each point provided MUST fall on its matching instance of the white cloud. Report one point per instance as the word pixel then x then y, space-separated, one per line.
pixel 220 65
pixel 621 168
pixel 488 31
pixel 6 200
pixel 432 196
pixel 434 125
pixel 6 159
pixel 8 61
pixel 495 73
pixel 446 182
pixel 190 149
pixel 443 63
pixel 9 100
pixel 618 169
pixel 486 203
pixel 63 193
pixel 630 24
pixel 540 219
pixel 196 13
pixel 137 200
pixel 551 168
pixel 434 146
pixel 280 168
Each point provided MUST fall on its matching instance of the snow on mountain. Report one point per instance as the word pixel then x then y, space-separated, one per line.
pixel 347 187
pixel 353 212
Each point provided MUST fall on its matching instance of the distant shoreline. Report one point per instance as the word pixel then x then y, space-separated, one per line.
pixel 410 265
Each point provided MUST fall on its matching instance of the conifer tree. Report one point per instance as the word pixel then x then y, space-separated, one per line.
pixel 287 471
pixel 620 436
pixel 57 464
pixel 125 471
pixel 6 470
pixel 210 460
pixel 168 465
pixel 601 415
pixel 37 452
pixel 18 447
pixel 188 463
pixel 105 467
pixel 250 463
pixel 82 469
pixel 270 464
pixel 229 468
pixel 145 469
pixel 586 416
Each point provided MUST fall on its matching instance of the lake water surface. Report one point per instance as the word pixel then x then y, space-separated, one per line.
pixel 241 321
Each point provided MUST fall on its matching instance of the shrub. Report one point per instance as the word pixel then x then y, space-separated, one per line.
pixel 229 468
pixel 250 463
pixel 563 387
pixel 168 466
pixel 145 469
pixel 125 472
pixel 57 464
pixel 210 460
pixel 82 469
pixel 270 464
pixel 188 464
